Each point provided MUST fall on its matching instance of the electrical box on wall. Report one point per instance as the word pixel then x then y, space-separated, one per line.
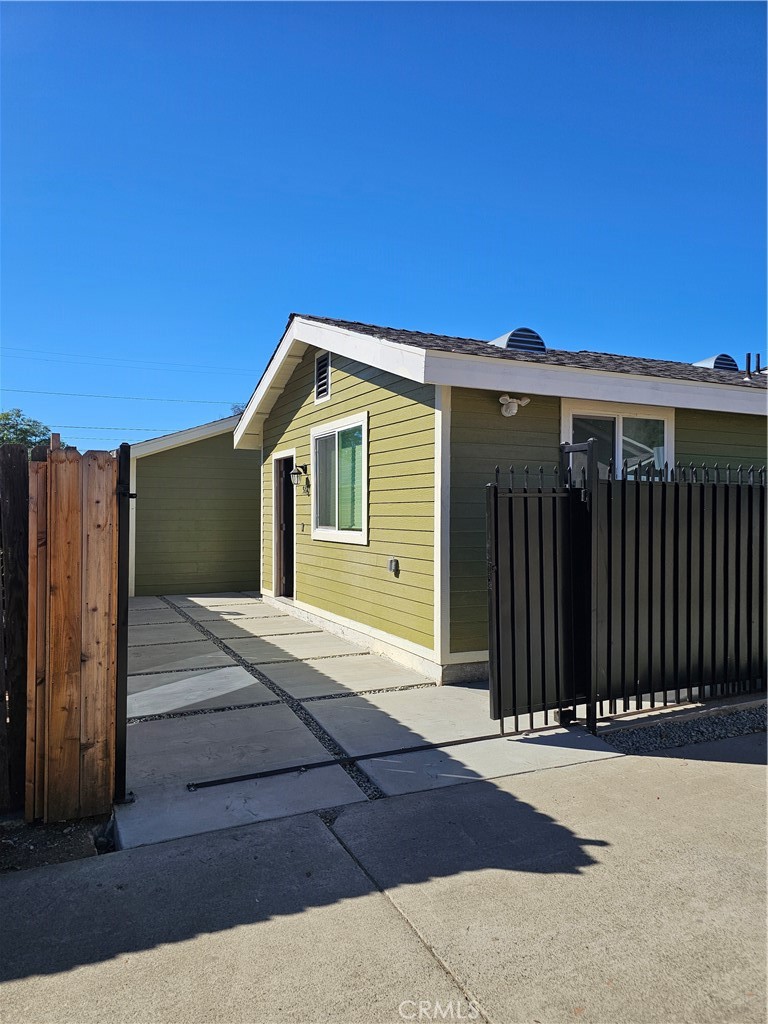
pixel 393 566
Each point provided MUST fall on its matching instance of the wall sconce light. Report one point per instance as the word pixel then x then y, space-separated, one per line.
pixel 510 405
pixel 296 474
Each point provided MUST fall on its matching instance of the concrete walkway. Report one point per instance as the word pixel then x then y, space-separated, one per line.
pixel 628 890
pixel 227 685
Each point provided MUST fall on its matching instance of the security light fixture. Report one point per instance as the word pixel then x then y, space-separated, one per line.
pixel 510 405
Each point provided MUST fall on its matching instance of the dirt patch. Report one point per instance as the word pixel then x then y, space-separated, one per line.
pixel 25 846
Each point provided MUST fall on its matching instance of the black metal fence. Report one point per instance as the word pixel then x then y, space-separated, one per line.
pixel 644 588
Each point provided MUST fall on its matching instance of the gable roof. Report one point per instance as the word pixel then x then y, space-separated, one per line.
pixel 469 362
pixel 181 437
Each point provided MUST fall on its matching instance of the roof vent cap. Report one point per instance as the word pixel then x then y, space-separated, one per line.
pixel 721 362
pixel 522 340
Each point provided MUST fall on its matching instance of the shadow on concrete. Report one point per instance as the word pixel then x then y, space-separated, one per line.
pixel 69 915
pixel 87 912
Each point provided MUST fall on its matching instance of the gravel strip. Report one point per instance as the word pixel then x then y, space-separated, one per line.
pixel 165 643
pixel 358 776
pixel 165 671
pixel 366 693
pixel 192 712
pixel 667 735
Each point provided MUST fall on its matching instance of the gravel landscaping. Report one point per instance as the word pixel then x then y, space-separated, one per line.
pixel 662 736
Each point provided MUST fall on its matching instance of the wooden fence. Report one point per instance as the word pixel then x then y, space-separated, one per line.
pixel 13 623
pixel 61 592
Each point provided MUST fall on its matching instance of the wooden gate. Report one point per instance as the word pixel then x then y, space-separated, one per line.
pixel 64 591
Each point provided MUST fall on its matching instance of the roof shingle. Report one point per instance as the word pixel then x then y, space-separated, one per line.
pixel 586 360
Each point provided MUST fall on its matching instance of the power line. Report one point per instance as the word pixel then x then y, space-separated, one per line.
pixel 81 426
pixel 135 365
pixel 118 398
pixel 120 359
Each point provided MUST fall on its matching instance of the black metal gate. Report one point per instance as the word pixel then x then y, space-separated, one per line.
pixel 644 588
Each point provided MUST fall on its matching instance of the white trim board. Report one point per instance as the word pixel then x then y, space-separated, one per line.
pixel 181 437
pixel 285 453
pixel 488 374
pixel 442 525
pixel 132 530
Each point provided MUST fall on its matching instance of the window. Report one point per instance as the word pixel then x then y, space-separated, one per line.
pixel 340 481
pixel 643 436
pixel 322 376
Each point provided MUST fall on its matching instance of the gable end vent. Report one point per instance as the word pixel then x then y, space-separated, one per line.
pixel 522 340
pixel 322 376
pixel 721 362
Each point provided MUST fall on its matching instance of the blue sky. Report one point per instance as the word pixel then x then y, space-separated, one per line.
pixel 177 178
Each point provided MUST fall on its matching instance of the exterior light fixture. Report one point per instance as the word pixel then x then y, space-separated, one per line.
pixel 296 474
pixel 510 405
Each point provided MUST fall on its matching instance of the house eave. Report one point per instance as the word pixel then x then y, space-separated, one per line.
pixel 455 369
pixel 469 371
pixel 402 360
pixel 181 437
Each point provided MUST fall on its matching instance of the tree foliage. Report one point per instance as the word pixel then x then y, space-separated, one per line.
pixel 16 428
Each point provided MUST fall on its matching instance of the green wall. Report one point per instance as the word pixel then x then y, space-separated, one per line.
pixel 481 439
pixel 351 580
pixel 197 519
pixel 719 437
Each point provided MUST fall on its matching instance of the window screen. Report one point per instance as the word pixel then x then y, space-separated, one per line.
pixel 325 480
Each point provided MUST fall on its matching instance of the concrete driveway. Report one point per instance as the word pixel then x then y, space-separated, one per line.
pixel 227 685
pixel 628 890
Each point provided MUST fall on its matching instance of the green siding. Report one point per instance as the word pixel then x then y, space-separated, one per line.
pixel 481 439
pixel 351 580
pixel 719 437
pixel 197 519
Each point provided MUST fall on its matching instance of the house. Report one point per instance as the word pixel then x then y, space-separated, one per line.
pixel 377 445
pixel 195 521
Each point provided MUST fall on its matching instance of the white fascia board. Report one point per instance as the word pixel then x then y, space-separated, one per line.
pixel 182 437
pixel 523 378
pixel 402 360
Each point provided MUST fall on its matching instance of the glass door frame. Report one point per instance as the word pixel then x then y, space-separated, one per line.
pixel 570 407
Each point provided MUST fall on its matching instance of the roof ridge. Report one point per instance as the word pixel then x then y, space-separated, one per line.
pixel 382 327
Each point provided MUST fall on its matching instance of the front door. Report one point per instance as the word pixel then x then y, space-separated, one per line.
pixel 284 520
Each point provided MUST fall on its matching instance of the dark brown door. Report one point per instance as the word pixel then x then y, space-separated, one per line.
pixel 284 524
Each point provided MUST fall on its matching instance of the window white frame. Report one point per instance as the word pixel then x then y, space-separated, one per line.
pixel 619 411
pixel 325 533
pixel 319 355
